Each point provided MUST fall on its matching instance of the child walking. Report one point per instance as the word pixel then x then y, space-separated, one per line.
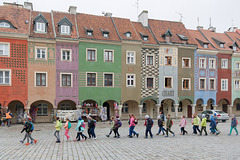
pixel 160 125
pixel 204 125
pixel 112 123
pixel 148 123
pixel 169 125
pixel 234 124
pixel 67 127
pixel 183 124
pixel 80 128
pixel 58 128
pixel 117 125
pixel 133 121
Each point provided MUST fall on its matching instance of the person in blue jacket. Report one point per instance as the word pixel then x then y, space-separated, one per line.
pixel 80 128
pixel 213 125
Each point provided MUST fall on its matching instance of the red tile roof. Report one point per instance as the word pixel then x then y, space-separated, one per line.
pixel 17 16
pixel 50 33
pixel 160 27
pixel 96 23
pixel 144 31
pixel 234 36
pixel 197 36
pixel 125 25
pixel 57 16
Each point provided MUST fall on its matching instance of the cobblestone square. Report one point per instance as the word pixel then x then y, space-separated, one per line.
pixel 178 147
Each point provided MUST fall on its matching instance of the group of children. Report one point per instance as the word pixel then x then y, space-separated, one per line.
pixel 28 128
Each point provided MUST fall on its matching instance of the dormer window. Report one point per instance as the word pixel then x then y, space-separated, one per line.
pixel 65 29
pixel 128 34
pixel 40 27
pixel 145 38
pixel 90 33
pixel 65 26
pixel 105 35
pixel 183 38
pixel 234 48
pixel 167 38
pixel 4 25
pixel 205 45
pixel 40 24
pixel 221 45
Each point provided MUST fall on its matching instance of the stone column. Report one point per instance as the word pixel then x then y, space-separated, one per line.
pixel 204 107
pixel 158 108
pixel 120 111
pixel 193 108
pixel 230 110
pixel 54 114
pixel 140 110
pixel 215 107
pixel 176 110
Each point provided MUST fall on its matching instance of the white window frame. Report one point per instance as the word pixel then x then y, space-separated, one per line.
pixel 171 81
pixel 134 80
pixel 171 60
pixel 35 78
pixel 64 29
pixel 214 59
pixel 189 62
pixel 153 82
pixel 209 84
pixel 128 35
pixel 234 48
pixel 200 84
pixel 134 57
pixel 153 59
pixel 104 78
pixel 41 27
pixel 112 55
pixel 61 79
pixel 236 65
pixel 226 84
pixel 42 106
pixel 10 77
pixel 96 79
pixel 8 49
pixel 95 54
pixel 4 25
pixel 221 45
pixel 224 67
pixel 205 45
pixel 70 51
pixel 46 53
pixel 203 63
pixel 235 88
pixel 106 35
pixel 189 79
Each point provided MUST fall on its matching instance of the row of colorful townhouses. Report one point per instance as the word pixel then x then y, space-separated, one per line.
pixel 51 61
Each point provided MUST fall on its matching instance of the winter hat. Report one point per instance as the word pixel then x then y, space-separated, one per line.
pixel 215 114
pixel 117 116
pixel 79 118
pixel 147 116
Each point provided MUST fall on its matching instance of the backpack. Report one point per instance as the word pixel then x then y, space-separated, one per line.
pixel 83 125
pixel 32 128
pixel 135 121
pixel 69 125
pixel 119 124
pixel 236 122
pixel 60 124
pixel 28 126
pixel 149 122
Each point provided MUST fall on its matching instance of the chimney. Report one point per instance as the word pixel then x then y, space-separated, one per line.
pixel 199 27
pixel 14 4
pixel 28 5
pixel 72 9
pixel 143 18
pixel 108 14
pixel 232 29
pixel 213 29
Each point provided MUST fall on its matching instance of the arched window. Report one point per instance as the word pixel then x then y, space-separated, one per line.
pixel 180 107
pixel 4 25
pixel 65 106
pixel 144 108
pixel 125 108
pixel 42 109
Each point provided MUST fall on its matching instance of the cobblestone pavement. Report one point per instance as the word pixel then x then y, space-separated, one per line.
pixel 178 147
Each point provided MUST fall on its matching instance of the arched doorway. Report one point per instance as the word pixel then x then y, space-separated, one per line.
pixel 149 108
pixel 17 109
pixel 66 105
pixel 41 111
pixel 167 107
pixel 199 106
pixel 111 108
pixel 106 107
pixel 90 107
pixel 236 107
pixel 210 104
pixel 185 108
pixel 223 105
pixel 129 107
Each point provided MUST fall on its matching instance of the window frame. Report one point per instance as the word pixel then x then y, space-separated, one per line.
pixel 167 60
pixel 64 73
pixel 95 79
pixel 237 62
pixel 4 25
pixel 70 51
pixel 200 83
pixel 43 30
pixel 209 87
pixel 222 64
pixel 65 26
pixel 6 43
pixel 214 67
pixel 189 83
pixel 134 57
pixel 153 82
pixel 46 53
pixel 112 79
pixel 109 50
pixel 148 55
pixel 134 80
pixel 35 78
pixel 226 84
pixel 205 45
pixel 238 84
pixel 42 106
pixel 94 49
pixel 204 67
pixel 4 77
pixel 189 66
pixel 171 81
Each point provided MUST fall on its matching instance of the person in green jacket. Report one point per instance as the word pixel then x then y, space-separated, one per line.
pixel 196 122
pixel 169 125
pixel 58 127
pixel 112 123
pixel 204 125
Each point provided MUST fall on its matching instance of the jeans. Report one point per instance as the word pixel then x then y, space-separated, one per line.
pixel 116 132
pixel 131 130
pixel 169 130
pixel 183 131
pixel 203 128
pixel 234 129
pixel 66 133
pixel 148 130
pixel 92 132
pixel 195 129
pixel 161 129
pixel 8 122
pixel 56 134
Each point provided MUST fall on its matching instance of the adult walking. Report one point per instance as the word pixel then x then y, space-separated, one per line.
pixel 8 117
pixel 133 121
pixel 234 124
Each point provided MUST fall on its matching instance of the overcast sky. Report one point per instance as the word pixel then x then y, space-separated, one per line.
pixel 223 13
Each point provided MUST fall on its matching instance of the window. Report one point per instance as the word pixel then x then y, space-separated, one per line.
pixel 237 66
pixel 66 79
pixel 89 33
pixel 42 109
pixel 212 63
pixel 130 57
pixel 125 108
pixel 186 63
pixel 205 45
pixel 221 45
pixel 4 25
pixel 128 35
pixel 149 60
pixel 145 38
pixel 130 80
pixel 41 79
pixel 66 55
pixel 237 82
pixel 225 63
pixel 168 82
pixel 224 84
pixel 108 79
pixel 186 84
pixel 91 79
pixel 149 82
pixel 105 35
pixel 168 60
pixel 65 106
pixel 202 63
pixel 172 108
pixel 144 108
pixel 238 106
pixel 65 29
pixel 202 83
pixel 211 84
pixel 234 48
pixel 5 77
pixel 108 56
pixel 40 27
pixel 91 55
pixel 41 53
pixel 167 38
pixel 4 49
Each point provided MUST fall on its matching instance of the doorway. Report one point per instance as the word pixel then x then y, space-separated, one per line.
pixel 224 108
pixel 105 104
pixel 189 111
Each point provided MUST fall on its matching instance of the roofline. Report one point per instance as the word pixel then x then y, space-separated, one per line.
pixel 13 35
pixel 207 39
pixel 116 28
pixel 54 32
pixel 81 39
